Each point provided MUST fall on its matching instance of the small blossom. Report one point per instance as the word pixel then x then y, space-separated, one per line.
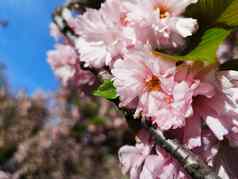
pixel 62 60
pixel 132 159
pixel 162 166
pixel 160 22
pixel 229 85
pixel 148 83
pixel 103 35
pixel 219 112
pixel 139 163
pixel 65 63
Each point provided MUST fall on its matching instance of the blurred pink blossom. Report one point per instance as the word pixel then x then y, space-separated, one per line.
pixel 65 63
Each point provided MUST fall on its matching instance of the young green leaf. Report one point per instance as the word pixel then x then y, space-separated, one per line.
pixel 230 15
pixel 207 48
pixel 106 90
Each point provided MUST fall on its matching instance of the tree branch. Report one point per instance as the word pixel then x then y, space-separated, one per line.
pixel 194 166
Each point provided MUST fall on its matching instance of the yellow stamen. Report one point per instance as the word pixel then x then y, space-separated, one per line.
pixel 163 10
pixel 124 20
pixel 169 99
pixel 153 84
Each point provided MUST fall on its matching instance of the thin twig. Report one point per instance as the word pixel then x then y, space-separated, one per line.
pixel 194 166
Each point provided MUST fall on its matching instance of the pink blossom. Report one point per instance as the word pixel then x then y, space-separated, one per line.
pixel 215 104
pixel 217 111
pixel 148 83
pixel 163 166
pixel 139 163
pixel 193 131
pixel 132 159
pixel 64 61
pixel 229 85
pixel 143 162
pixel 159 22
pixel 222 112
pixel 208 148
pixel 103 35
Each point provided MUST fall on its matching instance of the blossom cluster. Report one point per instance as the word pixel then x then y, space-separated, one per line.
pixel 192 102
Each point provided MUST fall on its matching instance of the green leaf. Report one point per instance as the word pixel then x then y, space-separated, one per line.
pixel 230 15
pixel 206 50
pixel 207 11
pixel 106 90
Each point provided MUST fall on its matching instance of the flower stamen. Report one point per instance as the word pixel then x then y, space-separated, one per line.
pixel 153 84
pixel 169 99
pixel 124 20
pixel 163 10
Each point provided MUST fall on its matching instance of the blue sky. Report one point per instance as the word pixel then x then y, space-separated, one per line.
pixel 24 43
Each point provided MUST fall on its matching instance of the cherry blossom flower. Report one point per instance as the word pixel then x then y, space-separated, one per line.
pixel 215 104
pixel 132 159
pixel 217 111
pixel 162 165
pixel 103 35
pixel 61 61
pixel 65 63
pixel 146 160
pixel 139 162
pixel 160 22
pixel 220 112
pixel 148 83
pixel 137 74
pixel 229 85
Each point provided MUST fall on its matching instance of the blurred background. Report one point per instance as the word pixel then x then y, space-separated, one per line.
pixel 47 131
pixel 25 41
